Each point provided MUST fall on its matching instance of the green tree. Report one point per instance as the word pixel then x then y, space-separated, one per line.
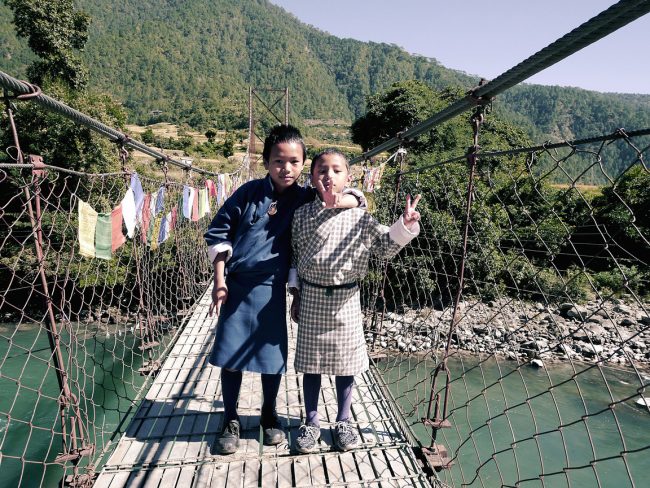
pixel 402 106
pixel 56 32
pixel 623 217
pixel 211 134
pixel 228 147
pixel 625 208
pixel 148 136
pixel 519 224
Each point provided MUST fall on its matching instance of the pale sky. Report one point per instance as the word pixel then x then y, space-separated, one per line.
pixel 488 37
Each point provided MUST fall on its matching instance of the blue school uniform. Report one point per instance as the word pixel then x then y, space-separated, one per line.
pixel 252 328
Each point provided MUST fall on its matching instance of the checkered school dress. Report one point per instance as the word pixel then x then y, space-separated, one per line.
pixel 331 248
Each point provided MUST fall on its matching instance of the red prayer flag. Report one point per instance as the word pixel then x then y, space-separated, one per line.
pixel 146 217
pixel 117 237
pixel 195 206
pixel 212 189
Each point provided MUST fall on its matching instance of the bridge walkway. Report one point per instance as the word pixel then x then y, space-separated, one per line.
pixel 170 440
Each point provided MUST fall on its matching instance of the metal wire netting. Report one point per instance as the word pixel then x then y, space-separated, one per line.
pixel 535 374
pixel 80 337
pixel 534 382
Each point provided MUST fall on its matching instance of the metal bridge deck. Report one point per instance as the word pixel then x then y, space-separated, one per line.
pixel 170 441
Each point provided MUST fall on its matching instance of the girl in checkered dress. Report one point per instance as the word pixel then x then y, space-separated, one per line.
pixel 249 246
pixel 331 249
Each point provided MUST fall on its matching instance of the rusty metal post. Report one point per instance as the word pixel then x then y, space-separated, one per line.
pixel 67 400
pixel 436 454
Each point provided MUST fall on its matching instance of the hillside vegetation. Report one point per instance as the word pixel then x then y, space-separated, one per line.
pixel 192 62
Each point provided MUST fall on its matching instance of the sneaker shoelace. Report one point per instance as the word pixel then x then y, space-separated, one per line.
pixel 345 432
pixel 308 433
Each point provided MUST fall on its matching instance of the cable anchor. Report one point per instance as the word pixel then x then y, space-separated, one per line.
pixel 483 100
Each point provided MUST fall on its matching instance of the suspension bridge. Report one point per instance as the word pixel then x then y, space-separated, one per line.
pixel 509 343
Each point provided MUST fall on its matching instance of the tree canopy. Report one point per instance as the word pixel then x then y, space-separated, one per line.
pixel 526 234
pixel 194 62
pixel 56 32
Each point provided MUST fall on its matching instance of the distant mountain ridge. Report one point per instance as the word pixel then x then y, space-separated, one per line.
pixel 194 61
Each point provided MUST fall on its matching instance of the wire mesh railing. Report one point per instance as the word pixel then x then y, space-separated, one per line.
pixel 513 333
pixel 515 337
pixel 87 312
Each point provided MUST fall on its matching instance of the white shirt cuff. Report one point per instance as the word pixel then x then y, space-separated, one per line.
pixel 358 194
pixel 294 280
pixel 399 233
pixel 214 251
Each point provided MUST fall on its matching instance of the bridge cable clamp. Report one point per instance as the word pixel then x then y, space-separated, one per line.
pixel 620 133
pixel 482 101
pixel 38 167
pixel 34 91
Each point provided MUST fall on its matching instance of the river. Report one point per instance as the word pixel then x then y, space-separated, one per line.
pixel 526 437
pixel 496 407
pixel 103 369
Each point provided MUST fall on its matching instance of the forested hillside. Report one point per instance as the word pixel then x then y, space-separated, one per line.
pixel 14 53
pixel 194 61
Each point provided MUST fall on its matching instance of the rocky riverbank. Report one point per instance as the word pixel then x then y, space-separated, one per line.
pixel 614 331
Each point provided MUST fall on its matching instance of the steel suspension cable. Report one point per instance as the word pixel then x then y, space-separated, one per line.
pixel 608 21
pixel 616 135
pixel 20 87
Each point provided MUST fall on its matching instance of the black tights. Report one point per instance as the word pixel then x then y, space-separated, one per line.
pixel 231 384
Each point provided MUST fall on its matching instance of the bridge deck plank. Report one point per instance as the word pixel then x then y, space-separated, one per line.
pixel 170 441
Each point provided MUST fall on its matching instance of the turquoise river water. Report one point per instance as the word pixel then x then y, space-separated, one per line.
pixel 502 430
pixel 566 425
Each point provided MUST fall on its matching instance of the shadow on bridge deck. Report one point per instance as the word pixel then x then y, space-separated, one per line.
pixel 170 441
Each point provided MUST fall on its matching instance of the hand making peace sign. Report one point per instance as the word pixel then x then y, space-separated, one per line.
pixel 411 216
pixel 330 199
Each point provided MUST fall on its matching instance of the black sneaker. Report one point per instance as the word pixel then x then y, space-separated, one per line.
pixel 345 438
pixel 308 437
pixel 229 440
pixel 273 432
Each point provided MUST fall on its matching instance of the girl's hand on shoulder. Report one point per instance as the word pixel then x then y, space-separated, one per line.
pixel 411 216
pixel 219 297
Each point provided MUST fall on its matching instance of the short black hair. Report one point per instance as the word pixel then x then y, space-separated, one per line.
pixel 327 152
pixel 283 133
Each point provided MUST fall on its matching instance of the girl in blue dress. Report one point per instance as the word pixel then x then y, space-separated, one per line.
pixel 249 243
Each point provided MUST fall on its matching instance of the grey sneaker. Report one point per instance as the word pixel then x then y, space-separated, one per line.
pixel 229 440
pixel 345 438
pixel 308 437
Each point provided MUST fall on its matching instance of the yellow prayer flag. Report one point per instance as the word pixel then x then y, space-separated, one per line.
pixel 154 234
pixel 87 225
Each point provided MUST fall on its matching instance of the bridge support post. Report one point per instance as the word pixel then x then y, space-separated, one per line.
pixel 253 95
pixel 76 442
pixel 436 454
